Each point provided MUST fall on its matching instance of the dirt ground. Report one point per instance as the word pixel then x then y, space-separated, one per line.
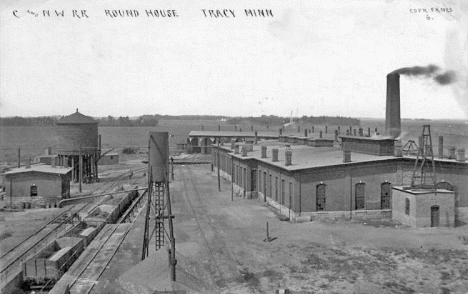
pixel 221 249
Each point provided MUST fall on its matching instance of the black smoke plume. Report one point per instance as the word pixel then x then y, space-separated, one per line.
pixel 430 71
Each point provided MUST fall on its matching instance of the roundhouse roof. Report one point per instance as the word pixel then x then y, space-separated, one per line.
pixel 76 118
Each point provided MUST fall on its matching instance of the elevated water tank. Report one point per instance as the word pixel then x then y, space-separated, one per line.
pixel 75 132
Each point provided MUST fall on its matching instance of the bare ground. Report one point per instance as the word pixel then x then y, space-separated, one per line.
pixel 220 249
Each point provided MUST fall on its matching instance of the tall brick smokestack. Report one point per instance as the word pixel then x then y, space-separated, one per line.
pixel 392 115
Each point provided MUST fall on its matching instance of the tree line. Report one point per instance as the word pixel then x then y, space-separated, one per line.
pixel 122 121
pixel 279 120
pixel 149 120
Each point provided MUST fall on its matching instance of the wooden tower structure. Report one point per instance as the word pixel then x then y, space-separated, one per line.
pixel 424 174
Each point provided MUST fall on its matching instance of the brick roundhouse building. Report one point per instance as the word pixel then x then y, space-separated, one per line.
pixel 302 181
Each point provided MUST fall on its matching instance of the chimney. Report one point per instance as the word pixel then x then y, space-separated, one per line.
pixel 336 135
pixel 339 130
pixel 451 152
pixel 347 132
pixel 236 149
pixel 235 128
pixel 264 150
pixel 219 128
pixel 233 143
pixel 441 147
pixel 392 114
pixel 288 155
pixel 398 149
pixel 320 134
pixel 256 137
pixel 313 130
pixel 326 129
pixel 305 133
pixel 244 151
pixel 355 132
pixel 368 132
pixel 461 154
pixel 346 156
pixel 274 154
pixel 280 131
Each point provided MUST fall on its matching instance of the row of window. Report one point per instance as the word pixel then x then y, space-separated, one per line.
pixel 282 194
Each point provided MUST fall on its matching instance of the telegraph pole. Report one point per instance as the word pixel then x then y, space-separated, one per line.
pixel 217 161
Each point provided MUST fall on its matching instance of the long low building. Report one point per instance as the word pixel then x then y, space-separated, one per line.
pixel 303 181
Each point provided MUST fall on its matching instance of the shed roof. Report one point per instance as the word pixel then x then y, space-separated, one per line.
pixel 76 118
pixel 41 168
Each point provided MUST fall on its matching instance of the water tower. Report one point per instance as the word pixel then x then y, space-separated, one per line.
pixel 79 146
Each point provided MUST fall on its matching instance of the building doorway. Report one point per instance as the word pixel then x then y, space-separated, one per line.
pixel 254 180
pixel 33 190
pixel 360 188
pixel 321 198
pixel 385 195
pixel 434 216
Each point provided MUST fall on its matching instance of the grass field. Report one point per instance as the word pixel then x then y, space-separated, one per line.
pixel 34 140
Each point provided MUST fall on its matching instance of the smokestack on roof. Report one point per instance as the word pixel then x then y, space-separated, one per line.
pixel 392 114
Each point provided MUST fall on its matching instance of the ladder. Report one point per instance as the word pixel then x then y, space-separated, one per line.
pixel 159 209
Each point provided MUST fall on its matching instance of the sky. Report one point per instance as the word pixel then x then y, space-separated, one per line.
pixel 311 58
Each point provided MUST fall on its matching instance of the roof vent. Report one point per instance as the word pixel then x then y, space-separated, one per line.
pixel 288 155
pixel 346 156
pixel 264 150
pixel 274 153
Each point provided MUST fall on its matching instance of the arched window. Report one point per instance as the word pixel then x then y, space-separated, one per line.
pixel 385 195
pixel 320 197
pixel 445 185
pixel 359 196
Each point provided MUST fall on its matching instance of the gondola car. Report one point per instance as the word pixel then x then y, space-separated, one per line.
pixel 48 265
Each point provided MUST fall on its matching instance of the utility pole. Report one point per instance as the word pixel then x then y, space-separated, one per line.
pixel 217 162
pixel 80 168
pixel 232 178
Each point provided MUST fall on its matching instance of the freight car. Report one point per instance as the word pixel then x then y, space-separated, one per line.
pixel 49 264
pixel 85 231
pixel 110 211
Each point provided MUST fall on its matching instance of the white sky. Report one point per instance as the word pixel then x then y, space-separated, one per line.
pixel 312 58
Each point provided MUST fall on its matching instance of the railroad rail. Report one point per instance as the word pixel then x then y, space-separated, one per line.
pixel 90 270
pixel 11 269
pixel 4 255
pixel 130 213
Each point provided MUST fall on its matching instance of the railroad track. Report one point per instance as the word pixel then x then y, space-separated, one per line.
pixel 96 260
pixel 222 262
pixel 11 261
